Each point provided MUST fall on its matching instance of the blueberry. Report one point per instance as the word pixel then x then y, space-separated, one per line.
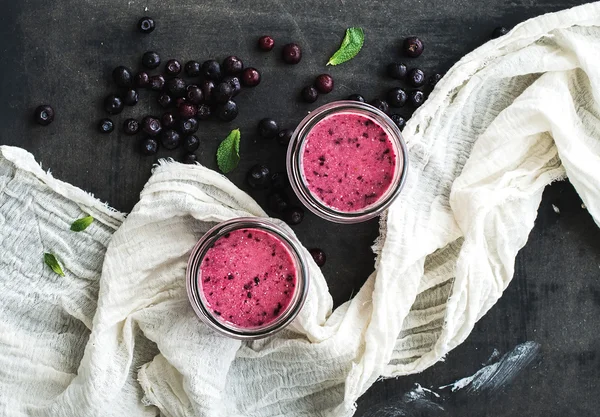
pixel 413 47
pixel 167 119
pixel 170 139
pixel 284 136
pixel 190 159
pixel 434 79
pixel 131 126
pixel 188 126
pixel 380 104
pixel 319 256
pixel 211 70
pixel 43 115
pixel 146 24
pixel 293 215
pixel 151 60
pixel 157 82
pixel 250 77
pixel 187 110
pixel 228 111
pixel 398 121
pixel 141 79
pixel 122 76
pixel 194 94
pixel 499 31
pixel 277 202
pixel 309 94
pixel 207 87
pixel 106 126
pixel 180 101
pixel 397 97
pixel 223 93
pixel 164 100
pixel 324 83
pixel 235 84
pixel 192 68
pixel 416 77
pixel 268 128
pixel 416 98
pixel 356 97
pixel 279 180
pixel 191 143
pixel 397 70
pixel 172 67
pixel 131 97
pixel 266 43
pixel 149 146
pixel 232 65
pixel 151 125
pixel 258 176
pixel 175 87
pixel 113 104
pixel 291 53
pixel 204 112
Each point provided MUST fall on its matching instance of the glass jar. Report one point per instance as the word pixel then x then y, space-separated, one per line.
pixel 296 151
pixel 198 298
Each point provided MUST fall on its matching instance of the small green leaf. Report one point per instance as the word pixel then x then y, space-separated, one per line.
pixel 52 262
pixel 351 45
pixel 228 154
pixel 82 224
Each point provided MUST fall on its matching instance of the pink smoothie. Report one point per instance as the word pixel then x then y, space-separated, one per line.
pixel 248 278
pixel 348 161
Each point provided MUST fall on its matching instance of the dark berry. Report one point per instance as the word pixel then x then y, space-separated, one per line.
pixel 284 136
pixel 180 101
pixel 356 97
pixel 131 97
pixel 194 94
pixel 223 93
pixel 106 126
pixel 232 65
pixel 44 114
pixel 142 79
pixel 228 111
pixel 122 76
pixel 192 68
pixel 151 60
pixel 172 67
pixel 164 100
pixel 397 97
pixel 434 79
pixel 416 77
pixel 499 31
pixel 266 43
pixel 398 121
pixel 167 119
pixel 279 180
pixel 113 104
pixel 190 158
pixel 235 84
pixel 191 143
pixel 413 47
pixel 170 139
pixel 293 215
pixel 250 77
pixel 416 98
pixel 397 70
pixel 151 125
pixel 310 94
pixel 277 202
pixel 175 87
pixel 211 70
pixel 258 176
pixel 149 146
pixel 319 256
pixel 157 82
pixel 146 24
pixel 131 127
pixel 380 104
pixel 188 126
pixel 268 128
pixel 204 112
pixel 291 53
pixel 324 83
pixel 207 87
pixel 187 110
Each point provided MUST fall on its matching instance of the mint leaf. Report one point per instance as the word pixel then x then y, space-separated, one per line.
pixel 228 154
pixel 351 45
pixel 52 262
pixel 80 225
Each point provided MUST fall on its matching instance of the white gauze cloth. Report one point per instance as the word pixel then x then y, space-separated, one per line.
pixel 116 336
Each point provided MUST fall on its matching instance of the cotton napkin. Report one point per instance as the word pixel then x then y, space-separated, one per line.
pixel 116 336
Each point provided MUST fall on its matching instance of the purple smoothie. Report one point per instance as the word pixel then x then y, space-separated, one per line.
pixel 248 278
pixel 348 161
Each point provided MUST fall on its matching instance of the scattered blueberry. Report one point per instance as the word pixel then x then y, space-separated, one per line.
pixel 207 87
pixel 356 97
pixel 416 98
pixel 223 92
pixel 235 84
pixel 192 68
pixel 113 104
pixel 211 70
pixel 413 47
pixel 44 114
pixel 324 83
pixel 499 31
pixel 122 76
pixel 190 159
pixel 434 79
pixel 172 67
pixel 151 60
pixel 232 65
pixel 250 77
pixel 142 79
pixel 157 82
pixel 131 127
pixel 291 53
pixel 258 176
pixel 228 111
pixel 397 70
pixel 188 126
pixel 194 94
pixel 106 126
pixel 319 256
pixel 279 180
pixel 416 77
pixel 293 215
pixel 170 139
pixel 167 119
pixel 175 87
pixel 380 104
pixel 277 202
pixel 164 100
pixel 187 110
pixel 284 136
pixel 266 43
pixel 204 112
pixel 268 128
pixel 191 143
pixel 131 97
pixel 146 24
pixel 397 97
pixel 151 125
pixel 149 146
pixel 310 94
pixel 398 121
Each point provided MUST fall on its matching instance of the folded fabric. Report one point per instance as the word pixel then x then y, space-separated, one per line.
pixel 511 117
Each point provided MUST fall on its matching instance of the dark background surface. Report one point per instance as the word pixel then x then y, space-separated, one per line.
pixel 62 53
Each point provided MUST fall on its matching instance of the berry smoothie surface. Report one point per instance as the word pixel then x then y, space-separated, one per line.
pixel 248 278
pixel 348 161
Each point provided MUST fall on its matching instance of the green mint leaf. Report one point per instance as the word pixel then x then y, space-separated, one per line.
pixel 52 262
pixel 228 154
pixel 82 224
pixel 351 45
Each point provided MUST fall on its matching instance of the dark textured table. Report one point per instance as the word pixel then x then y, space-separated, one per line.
pixel 63 52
